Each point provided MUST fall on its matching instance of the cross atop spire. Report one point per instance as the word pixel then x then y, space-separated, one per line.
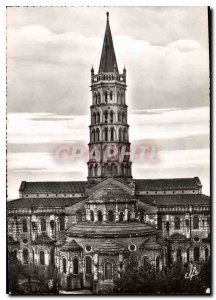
pixel 108 61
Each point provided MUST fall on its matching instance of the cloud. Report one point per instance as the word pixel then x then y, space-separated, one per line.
pixel 43 64
pixel 185 45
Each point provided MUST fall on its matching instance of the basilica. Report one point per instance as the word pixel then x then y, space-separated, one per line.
pixel 84 231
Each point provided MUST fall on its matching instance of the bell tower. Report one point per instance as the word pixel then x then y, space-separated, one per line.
pixel 109 147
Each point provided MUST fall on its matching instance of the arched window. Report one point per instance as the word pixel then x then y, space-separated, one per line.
pixel 88 265
pixel 110 216
pixel 112 134
pixel 188 255
pixel 177 223
pixel 75 265
pixel 91 170
pixel 113 169
pixel 122 170
pixel 96 170
pixel 121 216
pixel 52 225
pixel 124 118
pixel 187 222
pixel 43 225
pixel 95 98
pixel 108 270
pixel 111 95
pixel 94 118
pixel 122 98
pixel 119 117
pixel 79 217
pixel 98 117
pixel 129 215
pixel 25 225
pixel 111 116
pixel 92 216
pixel 99 98
pixel 106 97
pixel 157 263
pixel 167 226
pixel 159 222
pixel 196 254
pixel 62 223
pixel 42 259
pixel 206 253
pixel 120 134
pixel 106 134
pixel 93 135
pixel 25 256
pixel 52 256
pixel 118 98
pixel 100 216
pixel 64 264
pixel 195 223
pixel 179 255
pixel 97 135
pixel 105 117
pixel 125 135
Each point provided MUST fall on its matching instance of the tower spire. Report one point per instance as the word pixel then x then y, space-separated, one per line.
pixel 108 61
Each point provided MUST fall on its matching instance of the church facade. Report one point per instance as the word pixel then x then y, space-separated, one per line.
pixel 84 231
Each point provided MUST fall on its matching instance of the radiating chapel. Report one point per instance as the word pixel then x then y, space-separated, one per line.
pixel 85 231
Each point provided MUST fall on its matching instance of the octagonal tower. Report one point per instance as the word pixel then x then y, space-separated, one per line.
pixel 109 145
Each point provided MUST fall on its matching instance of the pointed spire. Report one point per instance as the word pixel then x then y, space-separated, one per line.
pixel 108 61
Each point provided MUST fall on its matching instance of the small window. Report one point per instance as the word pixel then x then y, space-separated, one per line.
pixel 43 225
pixel 62 223
pixel 88 265
pixel 75 266
pixel 64 263
pixel 132 247
pixel 159 221
pixel 108 271
pixel 88 248
pixel 121 216
pixel 25 226
pixel 177 223
pixel 196 254
pixel 25 256
pixel 187 222
pixel 195 223
pixel 110 216
pixel 42 259
pixel 196 239
pixel 25 241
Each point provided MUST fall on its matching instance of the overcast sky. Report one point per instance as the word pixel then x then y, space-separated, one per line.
pixel 50 52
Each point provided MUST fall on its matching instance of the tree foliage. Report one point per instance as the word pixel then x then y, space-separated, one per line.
pixel 146 280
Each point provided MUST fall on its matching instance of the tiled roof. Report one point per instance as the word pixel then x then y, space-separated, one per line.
pixel 110 229
pixel 42 202
pixel 177 236
pixel 167 184
pixel 149 245
pixel 110 246
pixel 109 192
pixel 179 199
pixel 53 187
pixel 43 239
pixel 71 246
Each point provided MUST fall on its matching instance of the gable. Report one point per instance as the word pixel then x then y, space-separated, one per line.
pixel 108 183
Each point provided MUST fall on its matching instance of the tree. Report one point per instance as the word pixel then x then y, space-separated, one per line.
pixel 147 280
